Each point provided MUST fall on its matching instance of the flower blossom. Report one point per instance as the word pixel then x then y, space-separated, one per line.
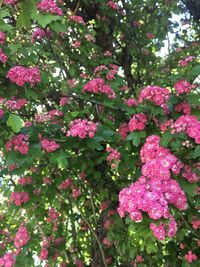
pixel 49 6
pixel 82 128
pixel 98 85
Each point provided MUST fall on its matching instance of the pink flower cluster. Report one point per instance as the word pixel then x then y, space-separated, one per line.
pixel 39 34
pixel 21 75
pixel 79 263
pixel 69 183
pixel 195 223
pixel 155 191
pixel 190 257
pixel 190 175
pixel 82 128
pixel 114 154
pixel 184 62
pixel 64 101
pixel 137 122
pixel 183 107
pixel 165 125
pixel 1 113
pixel 24 181
pixel 160 231
pixel 98 85
pixel 112 72
pixel 65 184
pixel 3 57
pixel 150 35
pixel 44 254
pixel 189 124
pixel 10 2
pixel 16 104
pixel 49 6
pixel 77 19
pixel 183 87
pixel 123 130
pixel 2 37
pixel 158 95
pixel 52 215
pixel 8 260
pixel 131 102
pixel 49 145
pixel 113 5
pixel 19 143
pixel 19 198
pixel 21 237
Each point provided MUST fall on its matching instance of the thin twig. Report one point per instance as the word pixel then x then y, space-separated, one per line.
pixel 95 236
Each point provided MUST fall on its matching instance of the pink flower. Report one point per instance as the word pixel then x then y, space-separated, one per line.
pixel 137 122
pixel 49 145
pixel 113 5
pixel 195 224
pixel 19 143
pixel 190 257
pixel 39 34
pixel 19 198
pixel 8 259
pixel 98 85
pixel 131 102
pixel 16 104
pixel 158 230
pixel 183 87
pixel 114 154
pixel 3 57
pixel 139 258
pixel 79 263
pixel 184 62
pixel 107 242
pixel 155 94
pixel 49 6
pixel 107 53
pixel 21 75
pixel 64 101
pixel 44 254
pixel 77 19
pixel 123 130
pixel 65 184
pixel 1 113
pixel 82 128
pixel 150 35
pixel 183 107
pixel 22 237
pixel 52 215
pixel 76 192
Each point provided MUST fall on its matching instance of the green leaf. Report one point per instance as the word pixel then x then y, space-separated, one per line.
pixel 5 27
pixel 195 71
pixel 135 137
pixel 44 20
pixel 60 158
pixel 166 138
pixel 58 26
pixel 151 246
pixel 3 14
pixel 15 122
pixel 196 152
pixel 93 144
pixel 30 94
pixel 188 188
pixel 27 7
pixel 193 99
